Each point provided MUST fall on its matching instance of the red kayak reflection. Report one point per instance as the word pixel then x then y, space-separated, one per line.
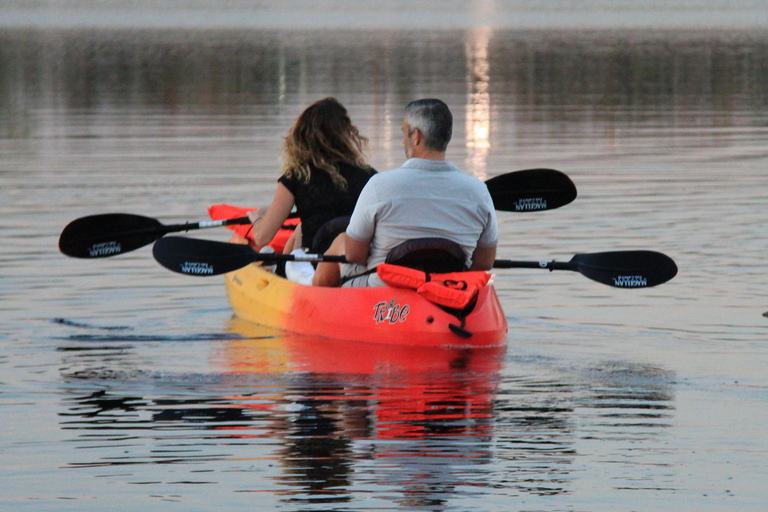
pixel 409 391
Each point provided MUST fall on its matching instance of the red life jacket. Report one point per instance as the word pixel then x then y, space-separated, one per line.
pixel 453 290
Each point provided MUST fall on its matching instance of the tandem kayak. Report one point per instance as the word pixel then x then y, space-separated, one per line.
pixel 384 314
pixel 381 314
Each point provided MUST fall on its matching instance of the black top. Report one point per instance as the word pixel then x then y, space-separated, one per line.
pixel 319 200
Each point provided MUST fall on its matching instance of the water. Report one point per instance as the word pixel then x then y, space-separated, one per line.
pixel 125 386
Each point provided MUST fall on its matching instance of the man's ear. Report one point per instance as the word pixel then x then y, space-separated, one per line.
pixel 418 138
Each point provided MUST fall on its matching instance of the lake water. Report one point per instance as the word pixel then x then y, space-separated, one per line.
pixel 127 387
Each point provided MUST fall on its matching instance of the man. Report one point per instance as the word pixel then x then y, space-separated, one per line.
pixel 426 197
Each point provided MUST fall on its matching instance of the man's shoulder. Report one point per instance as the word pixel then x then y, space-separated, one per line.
pixel 416 171
pixel 390 176
pixel 470 180
pixel 419 166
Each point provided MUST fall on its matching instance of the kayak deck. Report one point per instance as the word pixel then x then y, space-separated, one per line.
pixel 386 315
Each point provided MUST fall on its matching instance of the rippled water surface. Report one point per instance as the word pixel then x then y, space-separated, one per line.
pixel 124 386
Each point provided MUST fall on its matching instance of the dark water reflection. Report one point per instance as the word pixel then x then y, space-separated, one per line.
pixel 317 422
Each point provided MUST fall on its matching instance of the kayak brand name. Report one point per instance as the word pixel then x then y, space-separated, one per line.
pixel 390 312
pixel 196 268
pixel 630 281
pixel 105 249
pixel 531 204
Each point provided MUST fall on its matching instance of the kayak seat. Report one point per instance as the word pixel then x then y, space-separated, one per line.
pixel 435 255
pixel 327 233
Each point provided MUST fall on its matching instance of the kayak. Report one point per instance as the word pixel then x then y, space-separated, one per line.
pixel 383 314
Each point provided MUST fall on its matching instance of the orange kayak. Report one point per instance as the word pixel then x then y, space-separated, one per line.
pixel 386 315
pixel 378 314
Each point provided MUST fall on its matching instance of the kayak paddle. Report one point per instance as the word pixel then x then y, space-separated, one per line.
pixel 621 269
pixel 110 234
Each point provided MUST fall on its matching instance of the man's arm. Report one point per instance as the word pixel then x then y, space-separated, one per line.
pixel 482 258
pixel 356 252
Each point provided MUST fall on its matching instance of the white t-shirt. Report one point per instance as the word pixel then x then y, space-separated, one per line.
pixel 423 198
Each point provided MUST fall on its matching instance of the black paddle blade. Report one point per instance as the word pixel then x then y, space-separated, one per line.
pixel 196 257
pixel 109 234
pixel 531 190
pixel 626 269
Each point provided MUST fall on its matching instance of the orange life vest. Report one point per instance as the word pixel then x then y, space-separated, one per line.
pixel 453 290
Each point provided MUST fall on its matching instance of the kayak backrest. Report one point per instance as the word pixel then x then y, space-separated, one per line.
pixel 327 233
pixel 438 255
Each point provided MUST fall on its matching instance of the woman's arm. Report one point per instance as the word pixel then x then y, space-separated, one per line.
pixel 265 227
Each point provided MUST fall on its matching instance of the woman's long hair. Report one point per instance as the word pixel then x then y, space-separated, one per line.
pixel 322 136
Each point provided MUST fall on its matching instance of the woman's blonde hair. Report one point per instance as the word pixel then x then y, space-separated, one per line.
pixel 323 135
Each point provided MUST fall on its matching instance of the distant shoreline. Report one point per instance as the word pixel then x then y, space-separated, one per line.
pixel 419 14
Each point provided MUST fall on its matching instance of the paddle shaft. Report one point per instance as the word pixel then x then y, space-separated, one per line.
pixel 327 258
pixel 204 224
pixel 621 269
pixel 318 258
pixel 547 265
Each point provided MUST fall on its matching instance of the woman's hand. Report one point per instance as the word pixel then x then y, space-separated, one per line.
pixel 257 214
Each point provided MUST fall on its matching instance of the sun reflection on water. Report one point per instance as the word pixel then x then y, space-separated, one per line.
pixel 478 101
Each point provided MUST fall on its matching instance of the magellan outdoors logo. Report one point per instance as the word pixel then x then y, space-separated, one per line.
pixel 392 312
pixel 104 249
pixel 531 204
pixel 630 281
pixel 190 267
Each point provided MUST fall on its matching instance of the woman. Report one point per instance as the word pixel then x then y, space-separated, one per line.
pixel 324 170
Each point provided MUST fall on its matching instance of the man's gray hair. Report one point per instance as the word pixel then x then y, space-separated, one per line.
pixel 433 119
